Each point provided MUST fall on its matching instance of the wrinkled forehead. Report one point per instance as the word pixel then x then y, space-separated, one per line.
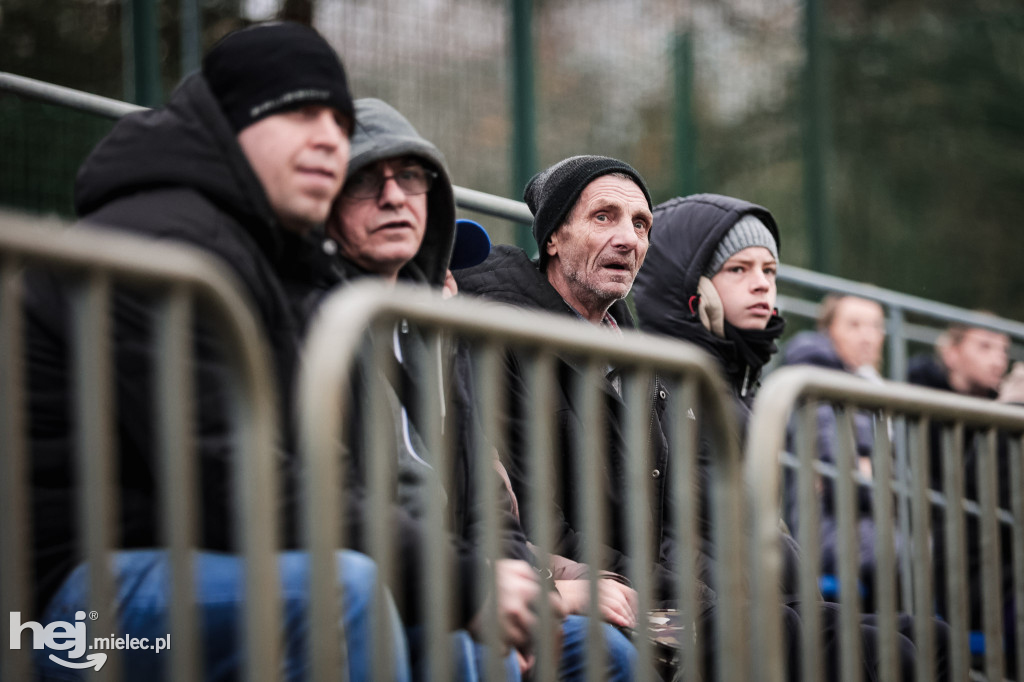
pixel 614 189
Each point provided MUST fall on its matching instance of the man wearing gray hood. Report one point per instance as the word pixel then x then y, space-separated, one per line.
pixel 395 220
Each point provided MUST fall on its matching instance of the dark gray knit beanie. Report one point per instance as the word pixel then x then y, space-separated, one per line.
pixel 748 231
pixel 552 193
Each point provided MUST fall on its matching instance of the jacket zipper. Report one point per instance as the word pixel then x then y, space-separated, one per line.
pixel 746 378
pixel 654 407
pixel 647 449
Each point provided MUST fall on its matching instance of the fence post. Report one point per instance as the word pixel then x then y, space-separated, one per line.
pixel 140 37
pixel 685 123
pixel 897 345
pixel 820 229
pixel 191 36
pixel 524 119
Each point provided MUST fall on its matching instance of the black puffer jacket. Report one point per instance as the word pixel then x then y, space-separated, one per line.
pixel 173 174
pixel 509 276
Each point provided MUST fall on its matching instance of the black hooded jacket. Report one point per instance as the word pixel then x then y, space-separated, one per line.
pixel 175 174
pixel 509 276
pixel 687 231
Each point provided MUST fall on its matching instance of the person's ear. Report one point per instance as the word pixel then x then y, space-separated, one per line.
pixel 947 354
pixel 551 245
pixel 710 309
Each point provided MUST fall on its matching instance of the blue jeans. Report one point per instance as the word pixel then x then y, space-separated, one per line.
pixel 621 657
pixel 470 657
pixel 141 582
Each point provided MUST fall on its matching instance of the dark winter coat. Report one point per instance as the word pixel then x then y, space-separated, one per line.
pixel 928 371
pixel 509 276
pixel 687 230
pixel 814 348
pixel 174 174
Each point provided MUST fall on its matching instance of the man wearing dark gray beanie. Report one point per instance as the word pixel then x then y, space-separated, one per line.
pixel 553 192
pixel 592 223
pixel 243 164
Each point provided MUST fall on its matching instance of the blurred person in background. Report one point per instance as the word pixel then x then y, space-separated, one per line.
pixel 968 360
pixel 972 361
pixel 849 338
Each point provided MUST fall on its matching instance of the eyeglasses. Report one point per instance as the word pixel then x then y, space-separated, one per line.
pixel 367 184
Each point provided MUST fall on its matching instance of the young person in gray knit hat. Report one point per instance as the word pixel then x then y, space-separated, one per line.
pixel 710 280
pixel 748 231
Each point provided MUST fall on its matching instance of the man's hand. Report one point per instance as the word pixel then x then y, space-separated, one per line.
pixel 1011 389
pixel 519 594
pixel 616 602
pixel 451 287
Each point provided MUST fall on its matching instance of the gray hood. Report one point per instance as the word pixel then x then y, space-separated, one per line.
pixel 383 133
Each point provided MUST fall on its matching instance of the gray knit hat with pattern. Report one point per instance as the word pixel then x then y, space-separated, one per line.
pixel 552 193
pixel 748 231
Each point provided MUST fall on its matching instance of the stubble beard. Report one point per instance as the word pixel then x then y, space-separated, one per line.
pixel 590 293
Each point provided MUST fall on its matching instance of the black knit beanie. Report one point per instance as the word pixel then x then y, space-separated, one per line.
pixel 552 193
pixel 270 68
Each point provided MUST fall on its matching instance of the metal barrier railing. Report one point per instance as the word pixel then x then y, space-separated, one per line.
pixel 337 351
pixel 900 331
pixel 114 109
pixel 791 396
pixel 95 262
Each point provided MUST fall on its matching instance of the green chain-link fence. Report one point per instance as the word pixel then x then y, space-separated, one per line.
pixel 887 137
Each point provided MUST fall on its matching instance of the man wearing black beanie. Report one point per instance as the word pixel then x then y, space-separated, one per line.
pixel 243 163
pixel 553 192
pixel 591 218
pixel 592 223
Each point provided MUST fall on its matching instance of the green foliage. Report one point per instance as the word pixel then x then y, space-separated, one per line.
pixel 929 156
pixel 926 157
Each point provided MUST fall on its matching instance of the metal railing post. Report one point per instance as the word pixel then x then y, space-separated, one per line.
pixel 897 343
pixel 15 566
pixel 524 118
